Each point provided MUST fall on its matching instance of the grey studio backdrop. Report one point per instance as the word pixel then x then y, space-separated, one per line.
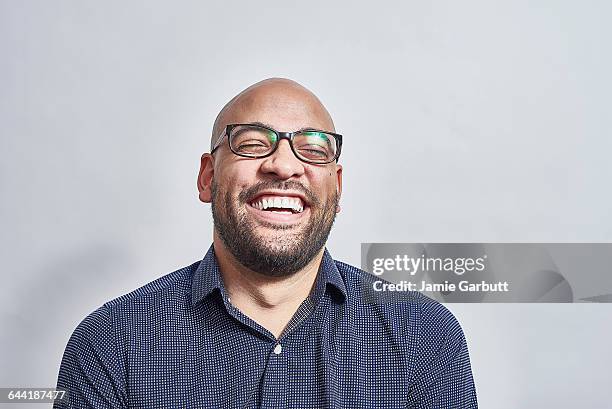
pixel 472 121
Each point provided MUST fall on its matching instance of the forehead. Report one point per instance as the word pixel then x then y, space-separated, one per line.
pixel 286 108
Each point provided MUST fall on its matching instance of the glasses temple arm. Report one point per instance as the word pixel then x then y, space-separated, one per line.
pixel 217 142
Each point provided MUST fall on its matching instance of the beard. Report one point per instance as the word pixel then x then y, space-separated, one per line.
pixel 283 255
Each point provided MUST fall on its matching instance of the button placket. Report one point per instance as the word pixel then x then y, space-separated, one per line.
pixel 274 387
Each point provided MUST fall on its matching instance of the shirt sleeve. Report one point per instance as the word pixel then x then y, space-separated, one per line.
pixel 443 378
pixel 91 368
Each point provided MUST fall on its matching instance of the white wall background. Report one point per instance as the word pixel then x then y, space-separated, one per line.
pixel 495 124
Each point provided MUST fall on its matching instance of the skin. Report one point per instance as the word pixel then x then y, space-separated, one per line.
pixel 286 106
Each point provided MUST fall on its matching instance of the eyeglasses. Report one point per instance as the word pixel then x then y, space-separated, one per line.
pixel 259 141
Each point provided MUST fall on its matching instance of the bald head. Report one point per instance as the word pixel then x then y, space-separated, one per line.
pixel 277 102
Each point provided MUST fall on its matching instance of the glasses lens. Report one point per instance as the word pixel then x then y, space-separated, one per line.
pixel 252 140
pixel 315 146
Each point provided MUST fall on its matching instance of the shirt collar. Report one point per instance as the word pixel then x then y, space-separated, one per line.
pixel 207 277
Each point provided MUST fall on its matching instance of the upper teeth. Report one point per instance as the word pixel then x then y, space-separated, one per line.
pixel 280 202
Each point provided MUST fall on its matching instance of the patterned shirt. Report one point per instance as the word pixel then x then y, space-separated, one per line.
pixel 178 342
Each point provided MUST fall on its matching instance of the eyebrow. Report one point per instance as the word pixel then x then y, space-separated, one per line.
pixel 308 128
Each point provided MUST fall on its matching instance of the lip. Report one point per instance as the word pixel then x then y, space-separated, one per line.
pixel 278 218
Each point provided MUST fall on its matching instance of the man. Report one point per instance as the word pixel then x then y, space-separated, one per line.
pixel 268 319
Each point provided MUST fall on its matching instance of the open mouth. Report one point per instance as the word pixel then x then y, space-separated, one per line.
pixel 279 204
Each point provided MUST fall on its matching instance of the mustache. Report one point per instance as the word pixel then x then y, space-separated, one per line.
pixel 248 194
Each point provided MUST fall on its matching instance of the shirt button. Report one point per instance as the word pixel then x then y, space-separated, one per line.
pixel 278 349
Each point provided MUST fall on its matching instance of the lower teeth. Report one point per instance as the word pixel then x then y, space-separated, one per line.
pixel 279 210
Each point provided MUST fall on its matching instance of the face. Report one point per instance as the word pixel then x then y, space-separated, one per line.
pixel 273 214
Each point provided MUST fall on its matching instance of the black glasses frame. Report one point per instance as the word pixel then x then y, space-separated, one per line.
pixel 281 135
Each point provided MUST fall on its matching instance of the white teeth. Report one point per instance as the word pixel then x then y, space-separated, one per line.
pixel 292 203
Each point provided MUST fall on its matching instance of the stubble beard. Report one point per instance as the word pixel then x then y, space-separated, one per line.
pixel 287 253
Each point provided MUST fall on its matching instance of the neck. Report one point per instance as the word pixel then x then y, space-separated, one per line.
pixel 269 301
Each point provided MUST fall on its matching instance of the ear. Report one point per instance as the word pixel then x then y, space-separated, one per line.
pixel 205 177
pixel 338 184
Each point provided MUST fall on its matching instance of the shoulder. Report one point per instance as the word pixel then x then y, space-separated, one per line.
pixel 176 283
pixel 411 312
pixel 140 305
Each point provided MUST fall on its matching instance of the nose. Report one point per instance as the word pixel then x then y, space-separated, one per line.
pixel 283 163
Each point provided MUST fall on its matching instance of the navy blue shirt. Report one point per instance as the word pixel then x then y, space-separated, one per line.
pixel 178 342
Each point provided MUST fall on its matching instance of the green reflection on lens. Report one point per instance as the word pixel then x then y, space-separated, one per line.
pixel 317 138
pixel 319 135
pixel 272 137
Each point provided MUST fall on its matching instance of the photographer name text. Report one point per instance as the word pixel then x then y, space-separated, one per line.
pixel 445 287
